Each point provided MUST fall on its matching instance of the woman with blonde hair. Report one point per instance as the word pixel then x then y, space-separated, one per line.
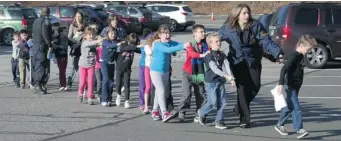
pixel 246 38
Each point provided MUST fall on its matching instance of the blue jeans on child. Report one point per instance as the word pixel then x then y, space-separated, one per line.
pixel 293 108
pixel 216 98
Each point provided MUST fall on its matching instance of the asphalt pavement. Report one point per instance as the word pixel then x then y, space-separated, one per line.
pixel 58 116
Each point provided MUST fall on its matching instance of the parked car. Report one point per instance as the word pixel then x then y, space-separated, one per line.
pixel 160 19
pixel 144 15
pixel 131 24
pixel 265 20
pixel 64 13
pixel 14 18
pixel 181 16
pixel 321 20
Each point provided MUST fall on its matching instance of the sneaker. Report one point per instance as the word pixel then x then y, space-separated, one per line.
pixel 65 88
pixel 61 88
pixel 90 101
pixel 155 115
pixel 281 130
pixel 122 89
pixel 126 104
pixel 220 125
pixel 108 104
pixel 201 120
pixel 146 111
pixel 167 116
pixel 196 119
pixel 80 98
pixel 302 133
pixel 118 100
pixel 141 107
pixel 104 103
pixel 181 117
pixel 22 87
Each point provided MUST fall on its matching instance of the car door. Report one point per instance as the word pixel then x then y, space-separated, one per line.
pixel 332 29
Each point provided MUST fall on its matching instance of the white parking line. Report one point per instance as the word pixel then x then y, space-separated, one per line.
pixel 275 76
pixel 307 97
pixel 309 86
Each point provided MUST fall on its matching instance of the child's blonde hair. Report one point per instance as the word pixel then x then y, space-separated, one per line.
pixel 211 36
pixel 307 40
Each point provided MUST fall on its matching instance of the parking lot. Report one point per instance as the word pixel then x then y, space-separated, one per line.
pixel 25 116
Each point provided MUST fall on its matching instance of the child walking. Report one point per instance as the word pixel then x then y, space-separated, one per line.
pixel 147 79
pixel 291 79
pixel 109 56
pixel 123 70
pixel 61 44
pixel 24 57
pixel 218 71
pixel 98 73
pixel 87 64
pixel 159 70
pixel 193 73
pixel 142 64
pixel 15 60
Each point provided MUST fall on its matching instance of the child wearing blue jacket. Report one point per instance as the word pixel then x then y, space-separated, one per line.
pixel 159 68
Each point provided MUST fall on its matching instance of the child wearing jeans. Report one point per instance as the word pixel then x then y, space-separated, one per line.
pixel 291 79
pixel 87 64
pixel 109 55
pixel 218 71
pixel 14 60
pixel 159 70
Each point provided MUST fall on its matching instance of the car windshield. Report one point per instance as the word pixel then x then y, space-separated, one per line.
pixel 101 13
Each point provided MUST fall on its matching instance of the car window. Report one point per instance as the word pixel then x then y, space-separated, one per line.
pixel 66 12
pixel 337 16
pixel 307 16
pixel 187 9
pixel 93 13
pixel 38 11
pixel 280 16
pixel 328 15
pixel 29 13
pixel 101 13
pixel 144 10
pixel 121 9
pixel 53 11
pixel 2 14
pixel 171 8
pixel 15 14
pixel 132 11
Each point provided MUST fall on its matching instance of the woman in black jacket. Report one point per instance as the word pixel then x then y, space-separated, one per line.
pixel 246 38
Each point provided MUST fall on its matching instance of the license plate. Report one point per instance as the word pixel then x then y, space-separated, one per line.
pixel 272 32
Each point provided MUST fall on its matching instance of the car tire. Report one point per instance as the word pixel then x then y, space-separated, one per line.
pixel 182 29
pixel 173 25
pixel 317 57
pixel 7 36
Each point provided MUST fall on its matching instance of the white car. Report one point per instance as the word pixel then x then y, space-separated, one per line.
pixel 181 16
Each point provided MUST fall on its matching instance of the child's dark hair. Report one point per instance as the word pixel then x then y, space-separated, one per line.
pixel 111 29
pixel 197 26
pixel 88 30
pixel 60 30
pixel 23 31
pixel 16 33
pixel 132 39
